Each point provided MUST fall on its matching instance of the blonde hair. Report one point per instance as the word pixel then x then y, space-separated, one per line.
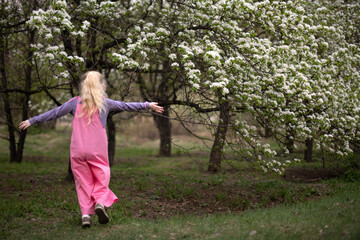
pixel 92 93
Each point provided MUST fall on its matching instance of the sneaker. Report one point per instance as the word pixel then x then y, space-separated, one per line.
pixel 101 213
pixel 86 221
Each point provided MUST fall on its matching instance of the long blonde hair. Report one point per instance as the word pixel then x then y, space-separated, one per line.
pixel 92 93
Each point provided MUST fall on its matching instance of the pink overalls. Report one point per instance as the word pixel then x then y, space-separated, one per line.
pixel 89 161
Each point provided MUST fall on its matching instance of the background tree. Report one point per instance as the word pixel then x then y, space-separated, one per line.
pixel 79 37
pixel 262 57
pixel 17 80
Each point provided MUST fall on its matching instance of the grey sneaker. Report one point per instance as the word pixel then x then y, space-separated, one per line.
pixel 86 221
pixel 101 213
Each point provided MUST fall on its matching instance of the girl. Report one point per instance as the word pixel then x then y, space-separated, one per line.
pixel 88 147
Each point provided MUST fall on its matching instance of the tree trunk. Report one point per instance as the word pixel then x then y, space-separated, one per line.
pixel 111 133
pixel 25 107
pixel 289 140
pixel 220 136
pixel 70 176
pixel 6 100
pixel 164 126
pixel 75 81
pixel 289 143
pixel 267 132
pixel 309 143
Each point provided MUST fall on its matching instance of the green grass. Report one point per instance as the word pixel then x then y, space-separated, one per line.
pixel 170 198
pixel 51 217
pixel 331 218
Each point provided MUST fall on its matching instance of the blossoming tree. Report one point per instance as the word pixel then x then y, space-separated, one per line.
pixel 293 66
pixel 286 63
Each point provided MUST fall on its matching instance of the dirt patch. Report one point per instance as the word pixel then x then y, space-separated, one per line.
pixel 24 184
pixel 310 175
pixel 160 195
pixel 155 199
pixel 40 159
pixel 216 201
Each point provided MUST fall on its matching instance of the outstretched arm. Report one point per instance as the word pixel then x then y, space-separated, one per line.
pixel 113 105
pixel 60 111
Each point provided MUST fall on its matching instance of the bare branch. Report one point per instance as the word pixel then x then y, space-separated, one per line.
pixel 15 25
pixel 190 104
pixel 33 91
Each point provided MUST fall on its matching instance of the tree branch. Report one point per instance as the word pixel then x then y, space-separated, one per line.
pixel 33 91
pixel 190 104
pixel 16 24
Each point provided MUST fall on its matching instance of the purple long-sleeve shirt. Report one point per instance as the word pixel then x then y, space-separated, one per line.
pixel 70 107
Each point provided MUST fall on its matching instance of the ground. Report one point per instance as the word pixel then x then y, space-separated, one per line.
pixel 175 197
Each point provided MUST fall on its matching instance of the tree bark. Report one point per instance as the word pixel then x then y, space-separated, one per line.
pixel 220 136
pixel 6 100
pixel 70 175
pixel 267 132
pixel 75 82
pixel 111 133
pixel 289 139
pixel 164 126
pixel 309 143
pixel 25 107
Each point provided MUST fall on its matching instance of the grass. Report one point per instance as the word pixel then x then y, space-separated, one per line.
pixel 170 198
pixel 52 217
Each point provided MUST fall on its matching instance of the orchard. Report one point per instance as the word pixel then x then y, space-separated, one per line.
pixel 290 67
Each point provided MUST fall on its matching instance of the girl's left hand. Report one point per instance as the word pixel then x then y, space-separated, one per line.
pixel 24 124
pixel 154 106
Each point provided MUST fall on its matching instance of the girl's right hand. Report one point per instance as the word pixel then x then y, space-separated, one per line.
pixel 24 124
pixel 154 106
